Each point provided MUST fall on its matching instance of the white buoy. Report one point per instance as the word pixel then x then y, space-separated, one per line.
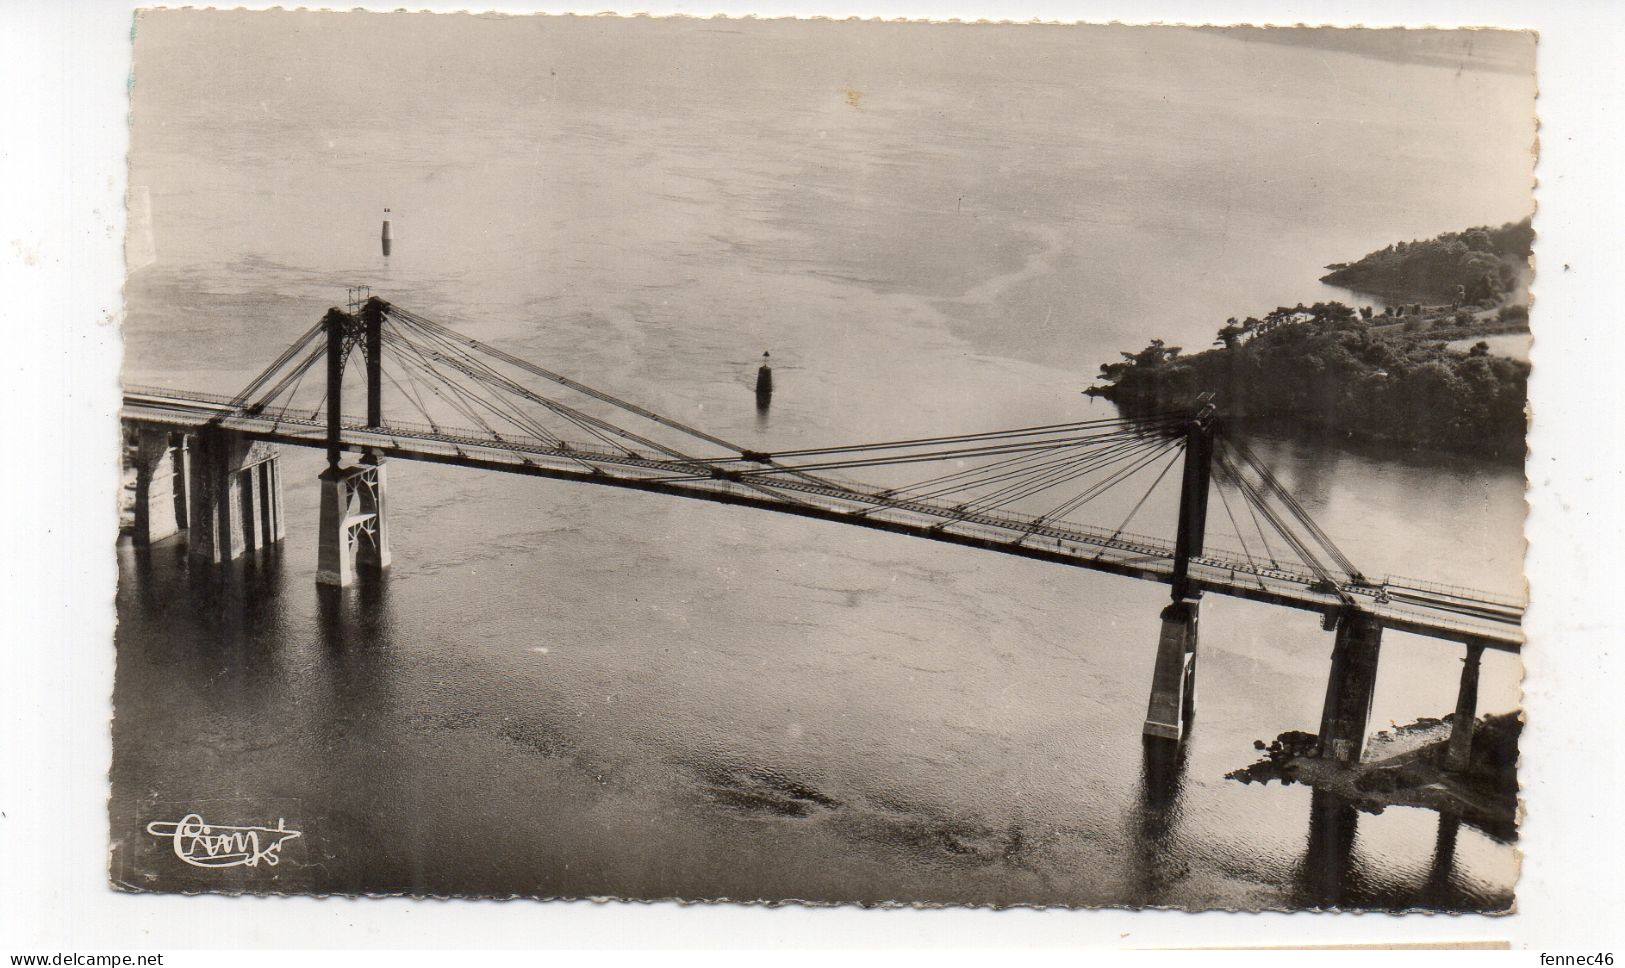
pixel 386 237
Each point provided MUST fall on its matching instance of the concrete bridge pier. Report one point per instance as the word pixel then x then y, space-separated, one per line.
pixel 162 473
pixel 1351 686
pixel 354 523
pixel 235 496
pixel 1173 682
pixel 1459 755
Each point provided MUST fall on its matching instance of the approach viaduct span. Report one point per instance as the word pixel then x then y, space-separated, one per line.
pixel 207 464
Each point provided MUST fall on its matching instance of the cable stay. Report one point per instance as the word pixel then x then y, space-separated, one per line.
pixel 1258 500
pixel 277 364
pixel 1296 509
pixel 469 341
pixel 978 480
pixel 1178 452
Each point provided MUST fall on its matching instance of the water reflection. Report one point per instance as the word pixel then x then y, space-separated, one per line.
pixel 355 631
pixel 1158 864
pixel 348 700
pixel 138 566
pixel 1332 874
pixel 1439 890
pixel 239 603
pixel 385 708
pixel 354 621
pixel 1311 470
pixel 1328 872
pixel 371 701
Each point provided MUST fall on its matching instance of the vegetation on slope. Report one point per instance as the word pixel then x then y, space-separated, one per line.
pixel 1361 373
pixel 1474 266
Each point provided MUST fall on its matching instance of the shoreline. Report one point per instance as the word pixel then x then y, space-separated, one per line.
pixel 1403 374
pixel 1339 372
pixel 1302 427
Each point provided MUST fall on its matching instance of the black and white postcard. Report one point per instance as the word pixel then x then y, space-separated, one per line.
pixel 843 462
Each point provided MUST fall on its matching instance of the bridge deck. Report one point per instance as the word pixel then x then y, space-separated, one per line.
pixel 1423 608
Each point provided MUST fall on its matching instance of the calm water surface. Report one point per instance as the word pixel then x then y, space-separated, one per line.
pixel 576 691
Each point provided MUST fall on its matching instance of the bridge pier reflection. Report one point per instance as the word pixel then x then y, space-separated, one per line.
pixel 1156 819
pixel 357 617
pixel 1444 858
pixel 1326 876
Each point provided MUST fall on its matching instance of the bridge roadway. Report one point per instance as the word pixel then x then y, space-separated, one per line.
pixel 1423 608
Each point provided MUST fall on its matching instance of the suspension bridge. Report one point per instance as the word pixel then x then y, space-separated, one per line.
pixel 207 464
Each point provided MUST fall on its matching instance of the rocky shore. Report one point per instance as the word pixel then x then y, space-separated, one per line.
pixel 1405 766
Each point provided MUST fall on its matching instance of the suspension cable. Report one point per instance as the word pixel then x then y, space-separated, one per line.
pixel 529 367
pixel 265 374
pixel 1296 509
pixel 478 371
pixel 1233 523
pixel 292 376
pixel 1117 478
pixel 1154 484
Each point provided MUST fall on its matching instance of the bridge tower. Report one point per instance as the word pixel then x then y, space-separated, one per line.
pixel 354 526
pixel 1173 682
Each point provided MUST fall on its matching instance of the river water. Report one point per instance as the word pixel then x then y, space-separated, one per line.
pixel 576 691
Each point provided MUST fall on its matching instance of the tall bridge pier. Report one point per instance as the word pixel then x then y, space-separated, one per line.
pixel 236 496
pixel 1460 754
pixel 1352 678
pixel 162 480
pixel 1350 686
pixel 222 488
pixel 1173 681
pixel 225 488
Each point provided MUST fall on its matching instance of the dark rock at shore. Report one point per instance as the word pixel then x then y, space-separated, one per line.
pixel 1278 757
pixel 1407 768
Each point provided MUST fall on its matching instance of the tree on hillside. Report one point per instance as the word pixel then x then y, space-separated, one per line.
pixel 1231 334
pixel 1156 354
